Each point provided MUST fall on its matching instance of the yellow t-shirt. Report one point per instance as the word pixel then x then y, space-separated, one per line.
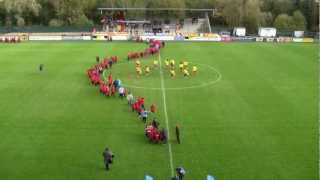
pixel 138 63
pixel 172 62
pixel 173 73
pixel 194 68
pixel 186 72
pixel 139 71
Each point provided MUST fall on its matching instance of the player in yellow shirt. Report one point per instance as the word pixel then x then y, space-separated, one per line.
pixel 166 62
pixel 138 63
pixel 181 67
pixel 147 70
pixel 185 64
pixel 139 71
pixel 194 70
pixel 186 73
pixel 155 64
pixel 172 73
pixel 172 63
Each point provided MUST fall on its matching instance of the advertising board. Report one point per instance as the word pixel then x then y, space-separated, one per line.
pixel 267 32
pixel 44 38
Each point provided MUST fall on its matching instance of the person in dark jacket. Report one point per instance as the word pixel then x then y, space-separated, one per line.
pixel 180 172
pixel 178 134
pixel 41 67
pixel 107 157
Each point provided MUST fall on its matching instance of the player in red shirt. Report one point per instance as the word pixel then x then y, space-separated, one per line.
pixel 110 79
pixel 142 102
pixel 107 90
pixel 138 109
pixel 101 87
pixel 133 106
pixel 113 90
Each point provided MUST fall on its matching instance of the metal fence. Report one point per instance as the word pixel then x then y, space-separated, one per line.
pixel 39 29
pixel 48 29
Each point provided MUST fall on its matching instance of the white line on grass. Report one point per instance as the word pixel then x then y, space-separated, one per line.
pixel 318 113
pixel 163 89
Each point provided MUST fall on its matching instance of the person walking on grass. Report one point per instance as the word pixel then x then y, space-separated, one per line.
pixel 144 115
pixel 41 67
pixel 178 134
pixel 107 157
pixel 130 98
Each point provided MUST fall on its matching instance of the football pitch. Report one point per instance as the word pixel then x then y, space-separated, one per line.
pixel 251 112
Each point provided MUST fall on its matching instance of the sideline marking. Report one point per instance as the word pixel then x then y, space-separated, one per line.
pixel 166 114
pixel 318 114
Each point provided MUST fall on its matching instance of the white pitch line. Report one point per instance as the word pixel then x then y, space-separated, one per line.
pixel 166 114
pixel 318 113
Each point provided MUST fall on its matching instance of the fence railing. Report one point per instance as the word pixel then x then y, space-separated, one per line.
pixel 39 29
pixel 49 29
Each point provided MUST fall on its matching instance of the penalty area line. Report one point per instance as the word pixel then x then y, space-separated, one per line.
pixel 163 90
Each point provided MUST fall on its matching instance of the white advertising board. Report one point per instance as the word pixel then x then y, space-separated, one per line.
pixel 239 31
pixel 217 39
pixel 267 32
pixel 86 38
pixel 45 38
pixel 298 34
pixel 120 38
pixel 161 38
pixel 297 39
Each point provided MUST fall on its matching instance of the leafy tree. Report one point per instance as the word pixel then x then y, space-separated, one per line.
pixel 55 23
pixel 21 10
pixel 284 22
pixel 248 13
pixel 299 20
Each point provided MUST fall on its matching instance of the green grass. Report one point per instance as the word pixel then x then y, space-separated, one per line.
pixel 258 122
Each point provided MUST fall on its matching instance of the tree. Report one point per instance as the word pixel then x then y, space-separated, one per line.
pixel 266 19
pixel 21 11
pixel 284 22
pixel 252 15
pixel 299 20
pixel 71 12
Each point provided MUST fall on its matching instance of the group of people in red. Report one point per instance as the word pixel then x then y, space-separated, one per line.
pixel 95 71
pixel 154 134
pixel 110 87
pixel 154 47
pixel 152 131
pixel 10 40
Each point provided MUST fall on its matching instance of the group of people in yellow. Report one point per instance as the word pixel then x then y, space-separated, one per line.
pixel 183 67
pixel 170 65
pixel 140 70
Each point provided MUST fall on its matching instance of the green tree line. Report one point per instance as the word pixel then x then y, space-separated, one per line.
pixel 282 14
